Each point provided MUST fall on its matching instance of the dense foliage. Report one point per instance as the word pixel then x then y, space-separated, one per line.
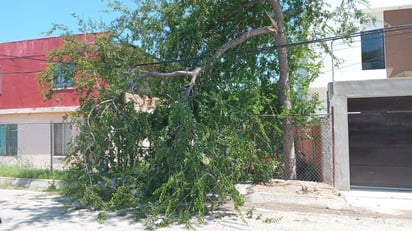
pixel 185 157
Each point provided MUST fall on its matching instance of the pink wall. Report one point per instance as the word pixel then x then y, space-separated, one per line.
pixel 20 62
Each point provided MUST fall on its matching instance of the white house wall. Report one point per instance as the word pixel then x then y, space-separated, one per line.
pixel 351 67
pixel 33 139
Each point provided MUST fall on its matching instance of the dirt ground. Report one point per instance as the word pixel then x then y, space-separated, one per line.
pixel 279 205
pixel 309 197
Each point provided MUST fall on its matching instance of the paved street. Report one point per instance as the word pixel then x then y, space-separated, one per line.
pixel 29 210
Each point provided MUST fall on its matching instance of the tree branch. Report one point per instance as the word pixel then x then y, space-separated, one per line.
pixel 243 37
pixel 196 71
pixel 165 75
pixel 280 41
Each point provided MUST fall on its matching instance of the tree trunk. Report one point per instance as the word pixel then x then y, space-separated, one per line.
pixel 289 149
pixel 284 82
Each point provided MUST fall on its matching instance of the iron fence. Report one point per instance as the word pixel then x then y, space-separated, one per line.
pixel 44 145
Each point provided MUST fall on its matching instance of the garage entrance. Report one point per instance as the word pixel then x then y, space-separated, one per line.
pixel 380 141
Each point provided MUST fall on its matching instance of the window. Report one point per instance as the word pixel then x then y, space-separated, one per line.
pixel 63 75
pixel 8 139
pixel 373 51
pixel 62 136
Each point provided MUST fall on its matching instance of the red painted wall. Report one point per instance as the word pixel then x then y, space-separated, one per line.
pixel 20 63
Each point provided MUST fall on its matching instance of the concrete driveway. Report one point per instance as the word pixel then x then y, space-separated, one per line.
pixel 386 201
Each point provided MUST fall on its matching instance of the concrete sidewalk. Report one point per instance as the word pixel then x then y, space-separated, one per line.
pixel 32 184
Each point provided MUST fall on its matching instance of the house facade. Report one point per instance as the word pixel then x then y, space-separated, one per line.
pixel 369 97
pixel 32 130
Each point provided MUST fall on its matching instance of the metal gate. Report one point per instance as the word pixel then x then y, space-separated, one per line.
pixel 380 141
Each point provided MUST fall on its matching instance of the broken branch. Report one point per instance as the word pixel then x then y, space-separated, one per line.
pixel 196 71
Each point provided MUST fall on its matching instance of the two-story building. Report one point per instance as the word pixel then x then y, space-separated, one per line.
pixel 32 130
pixel 369 97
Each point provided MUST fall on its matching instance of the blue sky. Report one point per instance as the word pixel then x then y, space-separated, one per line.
pixel 28 19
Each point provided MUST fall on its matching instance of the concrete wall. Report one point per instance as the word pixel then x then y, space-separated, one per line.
pixel 326 155
pixel 340 92
pixel 398 47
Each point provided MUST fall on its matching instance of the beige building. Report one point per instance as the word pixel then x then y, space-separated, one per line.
pixel 41 137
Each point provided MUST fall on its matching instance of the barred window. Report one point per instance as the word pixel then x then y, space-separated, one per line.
pixel 63 75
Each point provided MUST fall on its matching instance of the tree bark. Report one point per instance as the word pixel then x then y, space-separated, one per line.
pixel 284 82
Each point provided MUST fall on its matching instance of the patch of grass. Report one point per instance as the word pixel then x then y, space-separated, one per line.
pixel 271 220
pixel 32 173
pixel 101 217
pixel 249 213
pixel 6 185
pixel 267 220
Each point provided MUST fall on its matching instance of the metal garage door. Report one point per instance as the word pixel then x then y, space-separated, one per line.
pixel 380 141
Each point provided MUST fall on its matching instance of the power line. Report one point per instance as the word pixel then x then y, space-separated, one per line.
pixel 249 51
pixel 258 50
pixel 21 72
pixel 31 57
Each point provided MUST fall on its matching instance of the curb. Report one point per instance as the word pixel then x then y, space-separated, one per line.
pixel 322 202
pixel 34 184
pixel 307 199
